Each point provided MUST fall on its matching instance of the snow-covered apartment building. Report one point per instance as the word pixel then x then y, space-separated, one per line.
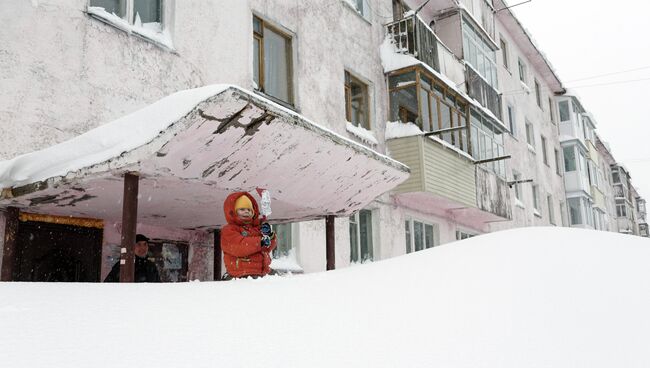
pixel 379 128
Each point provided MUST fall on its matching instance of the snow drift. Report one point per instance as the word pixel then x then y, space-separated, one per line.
pixel 531 297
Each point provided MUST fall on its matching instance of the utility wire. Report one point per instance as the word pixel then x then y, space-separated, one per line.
pixel 611 83
pixel 608 74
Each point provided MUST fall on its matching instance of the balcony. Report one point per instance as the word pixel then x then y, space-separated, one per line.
pixel 445 182
pixel 480 90
pixel 413 37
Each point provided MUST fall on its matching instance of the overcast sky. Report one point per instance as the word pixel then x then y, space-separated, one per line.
pixel 586 38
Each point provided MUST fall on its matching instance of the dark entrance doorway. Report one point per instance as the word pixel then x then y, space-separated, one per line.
pixel 57 253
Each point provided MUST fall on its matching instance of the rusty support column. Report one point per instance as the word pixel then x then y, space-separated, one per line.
pixel 329 242
pixel 129 221
pixel 217 255
pixel 9 249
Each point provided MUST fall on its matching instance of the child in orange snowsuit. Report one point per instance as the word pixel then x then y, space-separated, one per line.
pixel 245 241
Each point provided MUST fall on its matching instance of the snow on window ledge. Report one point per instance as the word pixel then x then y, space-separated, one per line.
pixel 519 203
pixel 525 86
pixel 148 31
pixel 536 213
pixel 531 148
pixel 362 133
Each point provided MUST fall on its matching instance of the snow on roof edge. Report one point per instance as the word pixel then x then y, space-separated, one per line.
pixel 135 130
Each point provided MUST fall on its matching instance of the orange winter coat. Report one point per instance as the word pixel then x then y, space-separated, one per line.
pixel 243 253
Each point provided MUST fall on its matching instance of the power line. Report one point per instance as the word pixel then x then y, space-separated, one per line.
pixel 611 83
pixel 608 74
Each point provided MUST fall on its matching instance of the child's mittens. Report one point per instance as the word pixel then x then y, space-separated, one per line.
pixel 266 241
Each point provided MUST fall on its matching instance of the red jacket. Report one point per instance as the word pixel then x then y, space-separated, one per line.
pixel 243 253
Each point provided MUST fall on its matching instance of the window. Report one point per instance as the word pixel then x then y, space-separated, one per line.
pixel 356 102
pixel 544 154
pixel 530 135
pixel 621 209
pixel 511 120
pixel 147 13
pixel 575 211
pixel 284 240
pixel 420 235
pixel 522 71
pixel 478 53
pixel 538 94
pixel 536 197
pixel 428 103
pixel 399 8
pixel 563 214
pixel 359 6
pixel 569 159
pixel 460 235
pixel 487 142
pixel 551 210
pixel 361 236
pixel 558 166
pixel 565 114
pixel 550 110
pixel 504 53
pixel 272 69
pixel 517 177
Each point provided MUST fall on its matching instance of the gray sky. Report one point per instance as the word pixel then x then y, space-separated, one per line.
pixel 586 38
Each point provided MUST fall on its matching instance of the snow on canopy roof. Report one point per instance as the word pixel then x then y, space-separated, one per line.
pixel 193 148
pixel 530 297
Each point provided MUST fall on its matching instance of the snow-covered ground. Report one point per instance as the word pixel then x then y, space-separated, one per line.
pixel 531 297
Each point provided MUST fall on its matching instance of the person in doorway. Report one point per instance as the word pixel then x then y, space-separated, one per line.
pixel 145 270
pixel 246 241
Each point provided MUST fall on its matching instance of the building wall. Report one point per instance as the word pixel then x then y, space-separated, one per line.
pixel 528 162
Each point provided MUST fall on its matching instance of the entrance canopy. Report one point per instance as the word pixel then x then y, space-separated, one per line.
pixel 191 149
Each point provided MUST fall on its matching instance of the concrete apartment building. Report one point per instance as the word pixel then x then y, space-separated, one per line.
pixel 407 125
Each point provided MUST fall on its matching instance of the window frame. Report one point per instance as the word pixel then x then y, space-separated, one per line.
pixel 522 68
pixel 512 120
pixel 558 161
pixel 259 37
pixel 130 13
pixel 504 53
pixel 536 204
pixel 544 151
pixel 538 94
pixel 410 225
pixel 530 135
pixel 516 176
pixel 349 79
pixel 551 209
pixel 355 220
pixel 284 246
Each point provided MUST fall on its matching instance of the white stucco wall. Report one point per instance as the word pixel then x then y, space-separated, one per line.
pixel 529 163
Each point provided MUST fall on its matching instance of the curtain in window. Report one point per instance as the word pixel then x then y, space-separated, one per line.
pixel 148 10
pixel 117 7
pixel 276 65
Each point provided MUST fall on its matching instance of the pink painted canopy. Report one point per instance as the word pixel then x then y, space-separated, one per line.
pixel 234 140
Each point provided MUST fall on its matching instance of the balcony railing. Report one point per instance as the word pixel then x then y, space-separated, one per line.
pixel 413 37
pixel 479 89
pixel 618 191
